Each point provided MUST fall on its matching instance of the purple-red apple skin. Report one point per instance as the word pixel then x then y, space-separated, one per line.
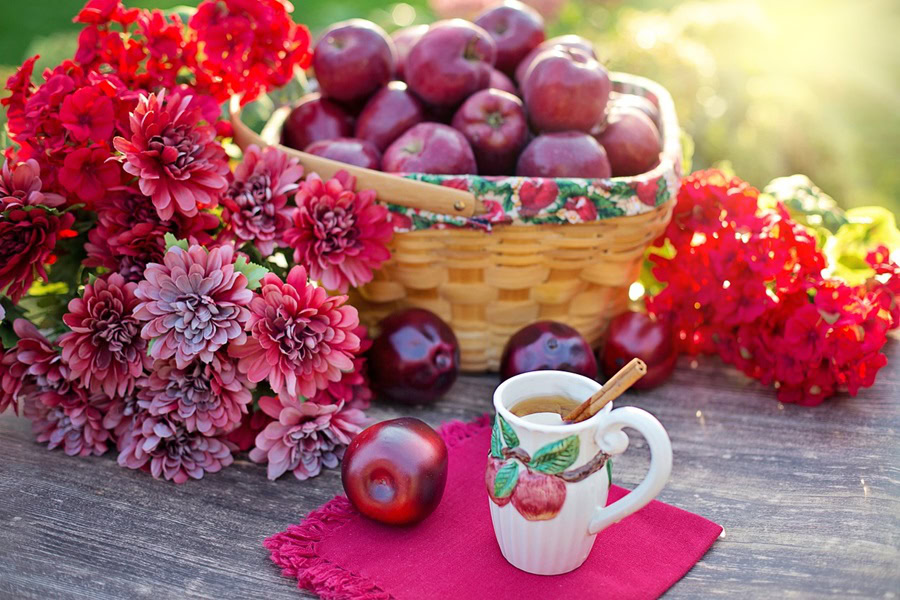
pixel 566 154
pixel 404 39
pixel 395 471
pixel 565 90
pixel 450 62
pixel 500 81
pixel 563 41
pixel 430 148
pixel 631 141
pixel 315 118
pixel 517 29
pixel 391 111
pixel 495 125
pixel 490 474
pixel 547 345
pixel 348 150
pixel 629 101
pixel 538 497
pixel 352 59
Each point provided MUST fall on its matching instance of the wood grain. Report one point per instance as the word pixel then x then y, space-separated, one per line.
pixel 809 498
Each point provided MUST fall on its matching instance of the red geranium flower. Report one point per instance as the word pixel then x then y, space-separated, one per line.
pixel 302 338
pixel 88 173
pixel 88 115
pixel 174 155
pixel 27 239
pixel 341 236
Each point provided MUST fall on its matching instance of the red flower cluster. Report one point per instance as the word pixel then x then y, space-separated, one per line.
pixel 746 282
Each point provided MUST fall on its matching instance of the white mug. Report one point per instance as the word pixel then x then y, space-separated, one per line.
pixel 547 482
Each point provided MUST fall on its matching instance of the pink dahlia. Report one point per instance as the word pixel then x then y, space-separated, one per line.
pixel 104 349
pixel 119 417
pixel 73 420
pixel 12 378
pixel 305 436
pixel 255 204
pixel 193 304
pixel 353 387
pixel 206 397
pixel 171 450
pixel 20 186
pixel 302 338
pixel 174 155
pixel 341 236
pixel 40 358
pixel 27 240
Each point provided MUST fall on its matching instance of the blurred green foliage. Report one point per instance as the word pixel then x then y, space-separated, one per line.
pixel 773 87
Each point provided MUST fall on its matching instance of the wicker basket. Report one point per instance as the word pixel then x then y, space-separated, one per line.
pixel 488 285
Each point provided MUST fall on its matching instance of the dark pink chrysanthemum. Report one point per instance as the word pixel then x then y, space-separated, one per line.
pixel 244 435
pixel 104 349
pixel 304 437
pixel 340 235
pixel 20 185
pixel 174 155
pixel 119 417
pixel 255 204
pixel 302 338
pixel 170 450
pixel 353 387
pixel 12 378
pixel 206 397
pixel 73 420
pixel 42 360
pixel 27 240
pixel 193 304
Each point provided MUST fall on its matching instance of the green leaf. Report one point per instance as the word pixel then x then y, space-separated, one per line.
pixel 555 457
pixel 609 469
pixel 252 271
pixel 496 443
pixel 171 240
pixel 509 436
pixel 506 479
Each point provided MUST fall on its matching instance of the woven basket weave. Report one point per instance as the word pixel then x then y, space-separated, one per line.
pixel 488 285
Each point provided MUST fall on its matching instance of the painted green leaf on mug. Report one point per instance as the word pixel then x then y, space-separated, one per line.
pixel 506 479
pixel 609 469
pixel 509 436
pixel 556 456
pixel 496 444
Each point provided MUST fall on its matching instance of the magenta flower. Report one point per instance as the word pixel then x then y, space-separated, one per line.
pixel 171 451
pixel 255 204
pixel 353 387
pixel 302 338
pixel 12 378
pixel 304 436
pixel 104 349
pixel 41 359
pixel 73 420
pixel 193 304
pixel 206 397
pixel 27 241
pixel 339 235
pixel 21 186
pixel 173 153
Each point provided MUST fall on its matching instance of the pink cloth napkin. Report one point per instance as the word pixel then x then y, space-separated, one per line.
pixel 338 554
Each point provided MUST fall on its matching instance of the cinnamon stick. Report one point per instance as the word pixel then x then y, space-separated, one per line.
pixel 613 388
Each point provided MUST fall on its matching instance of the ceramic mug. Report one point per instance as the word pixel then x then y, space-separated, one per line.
pixel 548 483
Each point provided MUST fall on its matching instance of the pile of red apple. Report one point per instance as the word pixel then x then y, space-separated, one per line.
pixel 491 97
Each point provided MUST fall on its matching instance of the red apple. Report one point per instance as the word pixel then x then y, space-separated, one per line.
pixel 642 103
pixel 353 59
pixel 390 112
pixel 450 62
pixel 430 148
pixel 348 150
pixel 547 345
pixel 490 474
pixel 538 497
pixel 516 28
pixel 499 81
pixel 565 90
pixel 568 154
pixel 636 335
pixel 395 471
pixel 313 119
pixel 415 358
pixel 404 39
pixel 563 41
pixel 631 141
pixel 494 123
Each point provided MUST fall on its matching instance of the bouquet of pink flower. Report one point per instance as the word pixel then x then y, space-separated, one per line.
pixel 138 314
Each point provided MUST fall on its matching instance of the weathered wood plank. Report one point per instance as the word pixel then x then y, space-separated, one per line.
pixel 809 498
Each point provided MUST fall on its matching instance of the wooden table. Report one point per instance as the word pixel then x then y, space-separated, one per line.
pixel 809 498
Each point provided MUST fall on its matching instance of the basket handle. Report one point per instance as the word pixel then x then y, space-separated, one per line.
pixel 391 188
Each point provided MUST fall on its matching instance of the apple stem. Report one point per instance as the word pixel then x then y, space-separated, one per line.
pixel 585 470
pixel 517 453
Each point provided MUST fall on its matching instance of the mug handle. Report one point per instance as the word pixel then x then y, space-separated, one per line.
pixel 613 440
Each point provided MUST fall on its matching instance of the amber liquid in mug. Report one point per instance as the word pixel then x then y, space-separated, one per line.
pixel 557 404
